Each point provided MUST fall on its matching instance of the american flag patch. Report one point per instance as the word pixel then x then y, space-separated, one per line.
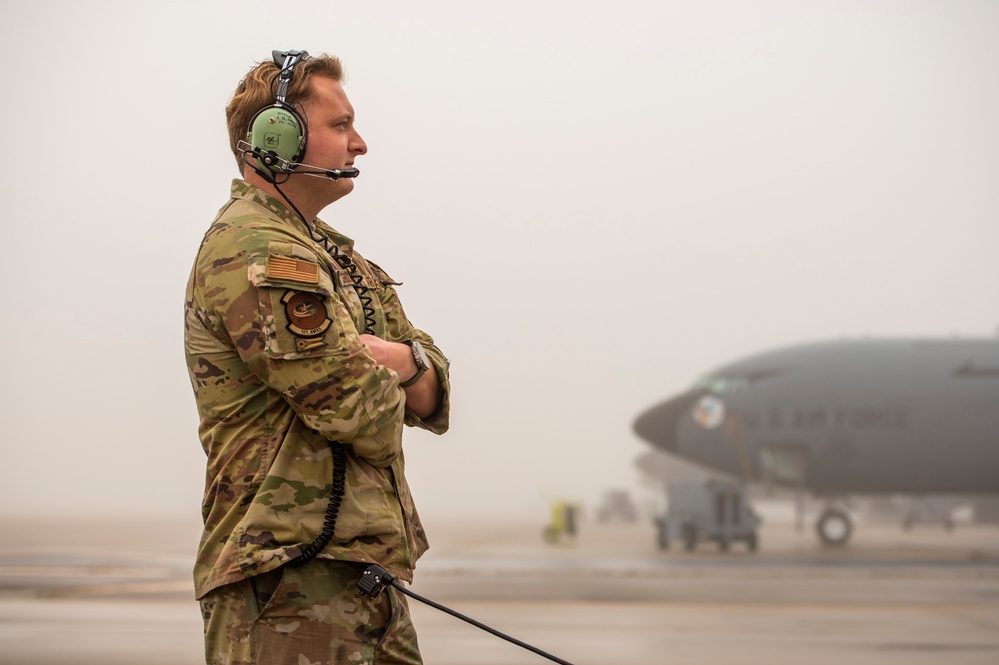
pixel 292 270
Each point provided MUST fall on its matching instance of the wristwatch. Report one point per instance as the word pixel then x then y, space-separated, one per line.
pixel 422 364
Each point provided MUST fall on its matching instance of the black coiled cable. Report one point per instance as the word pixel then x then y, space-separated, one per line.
pixel 338 485
pixel 339 482
pixel 337 490
pixel 344 262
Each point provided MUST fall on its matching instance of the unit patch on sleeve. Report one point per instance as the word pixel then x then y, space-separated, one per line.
pixel 307 315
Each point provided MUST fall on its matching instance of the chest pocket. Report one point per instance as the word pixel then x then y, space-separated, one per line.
pixel 362 297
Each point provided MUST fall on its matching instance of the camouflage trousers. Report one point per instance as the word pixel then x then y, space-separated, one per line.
pixel 313 615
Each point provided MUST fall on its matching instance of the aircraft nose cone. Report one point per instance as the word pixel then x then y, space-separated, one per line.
pixel 659 424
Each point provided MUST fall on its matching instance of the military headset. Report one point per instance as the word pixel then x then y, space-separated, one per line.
pixel 278 133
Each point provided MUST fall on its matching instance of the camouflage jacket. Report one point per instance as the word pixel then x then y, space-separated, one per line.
pixel 271 338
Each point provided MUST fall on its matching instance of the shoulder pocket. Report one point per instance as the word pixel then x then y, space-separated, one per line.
pixel 301 316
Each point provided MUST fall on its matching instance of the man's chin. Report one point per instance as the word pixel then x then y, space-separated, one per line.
pixel 340 189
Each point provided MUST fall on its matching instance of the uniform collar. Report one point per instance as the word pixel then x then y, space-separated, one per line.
pixel 342 241
pixel 247 192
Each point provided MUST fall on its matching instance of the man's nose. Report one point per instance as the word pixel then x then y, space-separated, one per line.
pixel 357 145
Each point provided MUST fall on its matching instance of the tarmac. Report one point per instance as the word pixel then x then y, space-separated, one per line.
pixel 110 592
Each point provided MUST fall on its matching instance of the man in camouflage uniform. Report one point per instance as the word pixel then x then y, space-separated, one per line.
pixel 304 366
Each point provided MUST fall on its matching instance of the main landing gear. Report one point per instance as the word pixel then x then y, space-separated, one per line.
pixel 835 526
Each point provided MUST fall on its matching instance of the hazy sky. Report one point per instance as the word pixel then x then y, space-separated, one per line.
pixel 590 203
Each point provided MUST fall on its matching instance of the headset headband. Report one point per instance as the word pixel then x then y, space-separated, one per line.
pixel 286 60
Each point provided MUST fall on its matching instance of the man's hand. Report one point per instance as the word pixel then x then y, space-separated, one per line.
pixel 423 397
pixel 397 357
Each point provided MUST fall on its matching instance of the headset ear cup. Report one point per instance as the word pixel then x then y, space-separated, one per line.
pixel 279 131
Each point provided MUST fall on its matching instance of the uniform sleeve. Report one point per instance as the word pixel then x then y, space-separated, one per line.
pixel 400 329
pixel 293 332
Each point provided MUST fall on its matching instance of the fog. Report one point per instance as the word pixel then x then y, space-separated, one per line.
pixel 590 205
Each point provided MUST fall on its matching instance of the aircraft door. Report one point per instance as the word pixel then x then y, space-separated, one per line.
pixel 785 463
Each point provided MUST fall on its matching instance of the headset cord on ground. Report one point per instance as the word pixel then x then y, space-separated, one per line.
pixel 375 578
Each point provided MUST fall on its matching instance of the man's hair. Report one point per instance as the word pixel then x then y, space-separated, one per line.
pixel 257 89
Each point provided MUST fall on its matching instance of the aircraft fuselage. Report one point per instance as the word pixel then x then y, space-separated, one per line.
pixel 846 417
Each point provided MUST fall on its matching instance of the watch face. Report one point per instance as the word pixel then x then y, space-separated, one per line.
pixel 420 355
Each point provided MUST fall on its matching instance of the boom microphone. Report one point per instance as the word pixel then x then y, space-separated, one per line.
pixel 270 163
pixel 332 174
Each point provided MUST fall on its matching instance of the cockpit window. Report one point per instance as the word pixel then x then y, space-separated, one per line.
pixel 726 385
pixel 721 385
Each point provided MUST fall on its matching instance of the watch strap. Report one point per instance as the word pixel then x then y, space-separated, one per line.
pixel 421 365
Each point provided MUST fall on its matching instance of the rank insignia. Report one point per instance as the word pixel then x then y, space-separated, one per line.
pixel 307 315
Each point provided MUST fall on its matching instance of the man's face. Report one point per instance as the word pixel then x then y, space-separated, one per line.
pixel 333 141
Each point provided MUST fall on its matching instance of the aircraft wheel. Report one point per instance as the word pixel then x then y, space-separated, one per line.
pixel 834 527
pixel 723 544
pixel 753 542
